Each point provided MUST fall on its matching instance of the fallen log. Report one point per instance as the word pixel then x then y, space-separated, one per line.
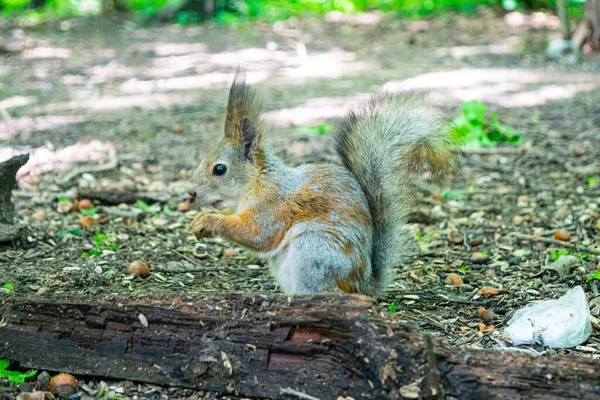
pixel 267 346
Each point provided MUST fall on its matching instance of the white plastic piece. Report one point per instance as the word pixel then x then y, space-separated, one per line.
pixel 560 323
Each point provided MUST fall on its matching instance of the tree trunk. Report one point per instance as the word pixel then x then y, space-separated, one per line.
pixel 588 31
pixel 8 172
pixel 254 346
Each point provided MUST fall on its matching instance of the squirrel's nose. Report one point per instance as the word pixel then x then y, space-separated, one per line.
pixel 191 191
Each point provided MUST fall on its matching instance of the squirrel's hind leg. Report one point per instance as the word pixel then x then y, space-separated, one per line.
pixel 310 263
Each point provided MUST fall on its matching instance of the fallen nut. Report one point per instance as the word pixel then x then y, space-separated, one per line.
pixel 488 291
pixel 562 234
pixel 453 280
pixel 139 268
pixel 63 384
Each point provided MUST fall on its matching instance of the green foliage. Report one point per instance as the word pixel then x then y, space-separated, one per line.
pixel 595 276
pixel 9 287
pixel 237 11
pixel 104 394
pixel 591 181
pixel 101 242
pixel 393 307
pixel 14 376
pixel 90 212
pixel 321 129
pixel 556 253
pixel 146 208
pixel 464 268
pixel 74 232
pixel 473 129
pixel 63 200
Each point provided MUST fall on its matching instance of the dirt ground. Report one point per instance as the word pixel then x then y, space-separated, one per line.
pixel 157 94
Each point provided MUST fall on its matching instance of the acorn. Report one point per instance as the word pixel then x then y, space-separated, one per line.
pixel 229 252
pixel 488 315
pixel 63 384
pixel 488 291
pixel 183 207
pixel 453 280
pixel 562 234
pixel 139 268
pixel 85 204
pixel 86 221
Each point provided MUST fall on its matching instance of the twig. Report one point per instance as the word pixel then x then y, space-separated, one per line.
pixel 186 258
pixel 555 242
pixel 109 165
pixel 300 395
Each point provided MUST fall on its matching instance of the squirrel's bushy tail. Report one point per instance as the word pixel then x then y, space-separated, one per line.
pixel 387 144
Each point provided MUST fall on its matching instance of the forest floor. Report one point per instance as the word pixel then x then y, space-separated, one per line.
pixel 157 95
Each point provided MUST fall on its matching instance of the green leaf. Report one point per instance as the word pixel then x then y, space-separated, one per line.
pixel 103 242
pixel 591 181
pixel 74 232
pixel 393 307
pixel 464 268
pixel 595 276
pixel 9 287
pixel 167 210
pixel 14 376
pixel 555 254
pixel 90 212
pixel 143 206
pixel 63 200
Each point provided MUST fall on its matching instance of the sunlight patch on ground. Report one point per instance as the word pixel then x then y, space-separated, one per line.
pixel 162 49
pixel 26 125
pixel 261 65
pixel 314 111
pixel 45 159
pixel 46 52
pixel 106 103
pixel 17 101
pixel 505 87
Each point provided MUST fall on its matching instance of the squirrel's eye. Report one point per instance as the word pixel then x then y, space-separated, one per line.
pixel 219 169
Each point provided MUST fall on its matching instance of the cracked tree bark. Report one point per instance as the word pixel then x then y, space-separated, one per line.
pixel 588 30
pixel 253 346
pixel 8 172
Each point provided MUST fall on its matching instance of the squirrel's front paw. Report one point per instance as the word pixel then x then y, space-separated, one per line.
pixel 200 226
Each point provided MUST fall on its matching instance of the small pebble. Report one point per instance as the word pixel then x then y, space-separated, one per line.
pixel 514 261
pixel 38 215
pixel 457 238
pixel 517 220
pixel 479 258
pixel 42 291
pixel 43 379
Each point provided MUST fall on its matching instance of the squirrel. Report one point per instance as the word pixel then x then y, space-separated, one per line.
pixel 325 226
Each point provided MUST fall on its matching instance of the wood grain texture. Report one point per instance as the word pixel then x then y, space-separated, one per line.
pixel 254 345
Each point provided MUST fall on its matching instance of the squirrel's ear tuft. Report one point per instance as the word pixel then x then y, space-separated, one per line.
pixel 243 104
pixel 249 138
